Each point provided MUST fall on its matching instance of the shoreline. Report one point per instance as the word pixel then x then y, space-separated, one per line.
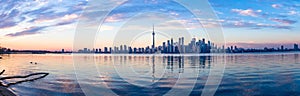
pixel 4 91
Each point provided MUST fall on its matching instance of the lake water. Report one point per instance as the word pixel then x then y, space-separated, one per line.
pixel 87 74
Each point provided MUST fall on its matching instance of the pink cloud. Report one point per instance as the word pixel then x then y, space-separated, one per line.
pixel 247 12
pixel 114 18
pixel 283 21
pixel 276 6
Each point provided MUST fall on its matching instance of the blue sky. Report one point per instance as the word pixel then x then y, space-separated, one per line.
pixel 36 24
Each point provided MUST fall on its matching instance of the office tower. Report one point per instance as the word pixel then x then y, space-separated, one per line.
pixel 169 46
pixel 282 47
pixel 223 48
pixel 97 51
pixel 130 49
pixel 176 49
pixel 182 45
pixel 85 50
pixel 134 50
pixel 148 50
pixel 105 50
pixel 125 48
pixel 62 50
pixel 179 45
pixel 179 41
pixel 164 47
pixel 115 49
pixel 140 50
pixel 296 47
pixel 160 49
pixel 121 49
pixel 110 50
pixel 208 46
pixel 172 46
pixel 153 39
pixel 198 46
pixel 182 40
pixel 193 45
pixel 143 50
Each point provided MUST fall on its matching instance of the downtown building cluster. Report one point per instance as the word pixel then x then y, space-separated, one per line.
pixel 175 47
pixel 235 49
pixel 169 47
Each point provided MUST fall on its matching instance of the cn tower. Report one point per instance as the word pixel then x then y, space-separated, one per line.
pixel 153 38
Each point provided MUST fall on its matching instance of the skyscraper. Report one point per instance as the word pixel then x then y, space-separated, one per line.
pixel 182 45
pixel 105 50
pixel 296 47
pixel 164 47
pixel 169 46
pixel 179 45
pixel 172 46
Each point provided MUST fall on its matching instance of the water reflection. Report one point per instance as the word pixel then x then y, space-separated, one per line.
pixel 163 74
pixel 245 74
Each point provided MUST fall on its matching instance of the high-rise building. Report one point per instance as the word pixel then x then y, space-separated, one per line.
pixel 169 46
pixel 85 50
pixel 296 47
pixel 110 49
pixel 100 50
pixel 97 51
pixel 62 50
pixel 164 49
pixel 172 46
pixel 179 45
pixel 130 49
pixel 193 45
pixel 182 45
pixel 105 50
pixel 125 48
pixel 121 49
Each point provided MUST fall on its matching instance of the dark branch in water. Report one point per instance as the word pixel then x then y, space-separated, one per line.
pixel 26 76
pixel 2 72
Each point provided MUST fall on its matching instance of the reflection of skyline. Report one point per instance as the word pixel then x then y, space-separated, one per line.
pixel 173 63
pixel 173 66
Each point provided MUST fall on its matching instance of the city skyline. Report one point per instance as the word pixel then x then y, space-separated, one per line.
pixel 193 46
pixel 168 46
pixel 41 23
pixel 179 47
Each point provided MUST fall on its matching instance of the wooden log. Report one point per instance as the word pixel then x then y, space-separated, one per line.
pixel 2 72
pixel 26 80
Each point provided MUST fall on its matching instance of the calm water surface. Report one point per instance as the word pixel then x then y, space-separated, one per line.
pixel 245 74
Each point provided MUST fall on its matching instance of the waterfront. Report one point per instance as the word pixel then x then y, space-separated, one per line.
pixel 245 74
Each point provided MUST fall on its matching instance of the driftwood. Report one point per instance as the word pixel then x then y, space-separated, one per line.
pixel 26 76
pixel 2 72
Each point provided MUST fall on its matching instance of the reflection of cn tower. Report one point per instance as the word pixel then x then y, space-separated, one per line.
pixel 153 69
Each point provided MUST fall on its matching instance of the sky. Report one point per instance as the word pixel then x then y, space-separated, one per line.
pixel 51 24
